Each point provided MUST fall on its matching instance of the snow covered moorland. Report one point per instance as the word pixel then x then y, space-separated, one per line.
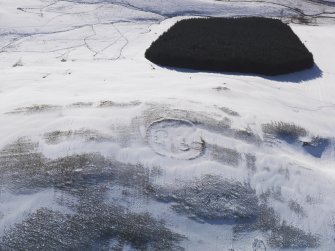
pixel 103 150
pixel 252 45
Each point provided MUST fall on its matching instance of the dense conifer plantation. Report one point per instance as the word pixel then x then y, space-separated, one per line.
pixel 247 45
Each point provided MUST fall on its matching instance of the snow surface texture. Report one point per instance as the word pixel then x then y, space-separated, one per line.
pixel 98 145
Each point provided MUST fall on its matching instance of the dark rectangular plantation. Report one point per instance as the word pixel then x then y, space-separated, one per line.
pixel 246 45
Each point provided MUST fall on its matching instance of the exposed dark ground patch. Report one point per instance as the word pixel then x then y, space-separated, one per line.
pixel 258 245
pixel 36 109
pixel 81 104
pixel 285 131
pixel 224 155
pixel 23 168
pixel 246 45
pixel 251 162
pixel 296 208
pixel 92 227
pixel 96 222
pixel 280 234
pixel 294 134
pixel 286 236
pixel 229 111
pixel 108 103
pixel 246 135
pixel 56 137
pixel 212 198
pixel 219 201
pixel 221 88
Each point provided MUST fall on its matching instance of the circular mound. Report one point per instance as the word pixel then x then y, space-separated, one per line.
pixel 246 45
pixel 175 138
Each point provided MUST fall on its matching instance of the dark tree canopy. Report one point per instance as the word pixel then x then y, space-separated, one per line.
pixel 246 45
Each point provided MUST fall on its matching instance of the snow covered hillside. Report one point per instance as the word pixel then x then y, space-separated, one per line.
pixel 102 150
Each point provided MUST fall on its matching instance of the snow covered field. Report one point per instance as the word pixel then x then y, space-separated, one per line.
pixel 92 132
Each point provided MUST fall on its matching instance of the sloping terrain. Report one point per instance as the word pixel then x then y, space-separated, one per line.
pixel 102 149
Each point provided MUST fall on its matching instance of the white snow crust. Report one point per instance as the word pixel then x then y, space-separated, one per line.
pixel 82 63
